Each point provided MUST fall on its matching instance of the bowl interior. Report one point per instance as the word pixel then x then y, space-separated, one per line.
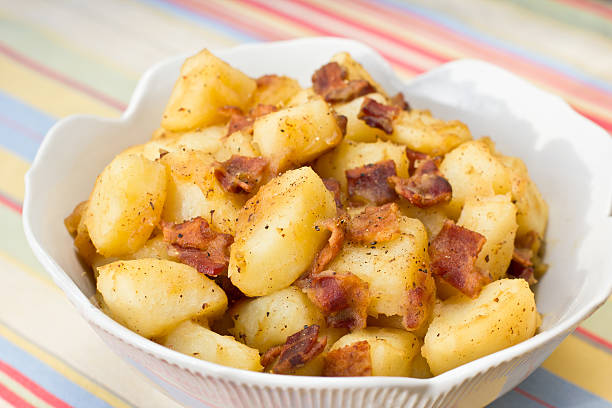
pixel 567 156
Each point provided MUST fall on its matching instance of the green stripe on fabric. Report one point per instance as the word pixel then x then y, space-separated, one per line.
pixel 51 51
pixel 14 244
pixel 567 14
pixel 599 323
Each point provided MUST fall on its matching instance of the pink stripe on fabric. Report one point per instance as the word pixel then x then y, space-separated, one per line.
pixel 33 387
pixel 602 10
pixel 23 60
pixel 8 202
pixel 533 398
pixel 13 399
pixel 304 23
pixel 595 338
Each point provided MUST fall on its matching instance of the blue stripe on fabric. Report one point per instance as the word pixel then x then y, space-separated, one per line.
pixel 483 38
pixel 554 390
pixel 24 114
pixel 230 31
pixel 48 378
pixel 17 142
pixel 514 399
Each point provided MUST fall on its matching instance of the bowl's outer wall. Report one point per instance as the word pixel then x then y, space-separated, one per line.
pixel 572 172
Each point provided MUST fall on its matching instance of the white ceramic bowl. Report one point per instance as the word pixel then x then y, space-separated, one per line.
pixel 568 156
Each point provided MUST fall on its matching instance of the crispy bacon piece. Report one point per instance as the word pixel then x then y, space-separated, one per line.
pixel 333 245
pixel 330 82
pixel 353 360
pixel 333 185
pixel 453 253
pixel 239 121
pixel 418 301
pixel 415 158
pixel 342 297
pixel 266 80
pixel 521 266
pixel 232 292
pixel 299 349
pixel 378 115
pixel 374 224
pixel 368 184
pixel 198 245
pixel 240 174
pixel 427 187
pixel 342 121
pixel 399 101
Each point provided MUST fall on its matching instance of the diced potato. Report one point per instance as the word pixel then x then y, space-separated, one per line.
pixel 532 210
pixel 72 221
pixel 240 143
pixel 193 190
pixel 276 239
pixel 275 90
pixel 151 296
pixel 206 83
pixel 355 70
pixel 432 217
pixel 418 130
pixel 391 350
pixel 349 155
pixel 495 218
pixel 473 170
pixel 357 129
pixel 296 135
pixel 302 97
pixel 200 342
pixel 465 329
pixel 267 321
pixel 420 368
pixel 126 204
pixel 391 269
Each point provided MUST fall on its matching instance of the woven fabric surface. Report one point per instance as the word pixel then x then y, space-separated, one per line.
pixel 70 57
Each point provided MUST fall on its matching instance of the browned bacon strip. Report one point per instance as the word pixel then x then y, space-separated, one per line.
pixel 343 298
pixel 521 266
pixel 415 159
pixel 368 184
pixel 374 224
pixel 453 253
pixel 353 360
pixel 418 301
pixel 427 187
pixel 299 349
pixel 399 101
pixel 240 174
pixel 333 185
pixel 378 115
pixel 342 122
pixel 198 245
pixel 333 245
pixel 239 121
pixel 330 82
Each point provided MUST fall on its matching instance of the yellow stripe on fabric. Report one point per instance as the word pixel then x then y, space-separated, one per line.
pixel 22 392
pixel 582 364
pixel 48 95
pixel 45 279
pixel 14 169
pixel 390 28
pixel 243 10
pixel 62 368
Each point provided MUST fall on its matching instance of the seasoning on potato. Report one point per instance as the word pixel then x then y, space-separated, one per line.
pixel 326 231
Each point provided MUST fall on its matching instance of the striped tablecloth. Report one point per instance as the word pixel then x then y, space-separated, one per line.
pixel 67 56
